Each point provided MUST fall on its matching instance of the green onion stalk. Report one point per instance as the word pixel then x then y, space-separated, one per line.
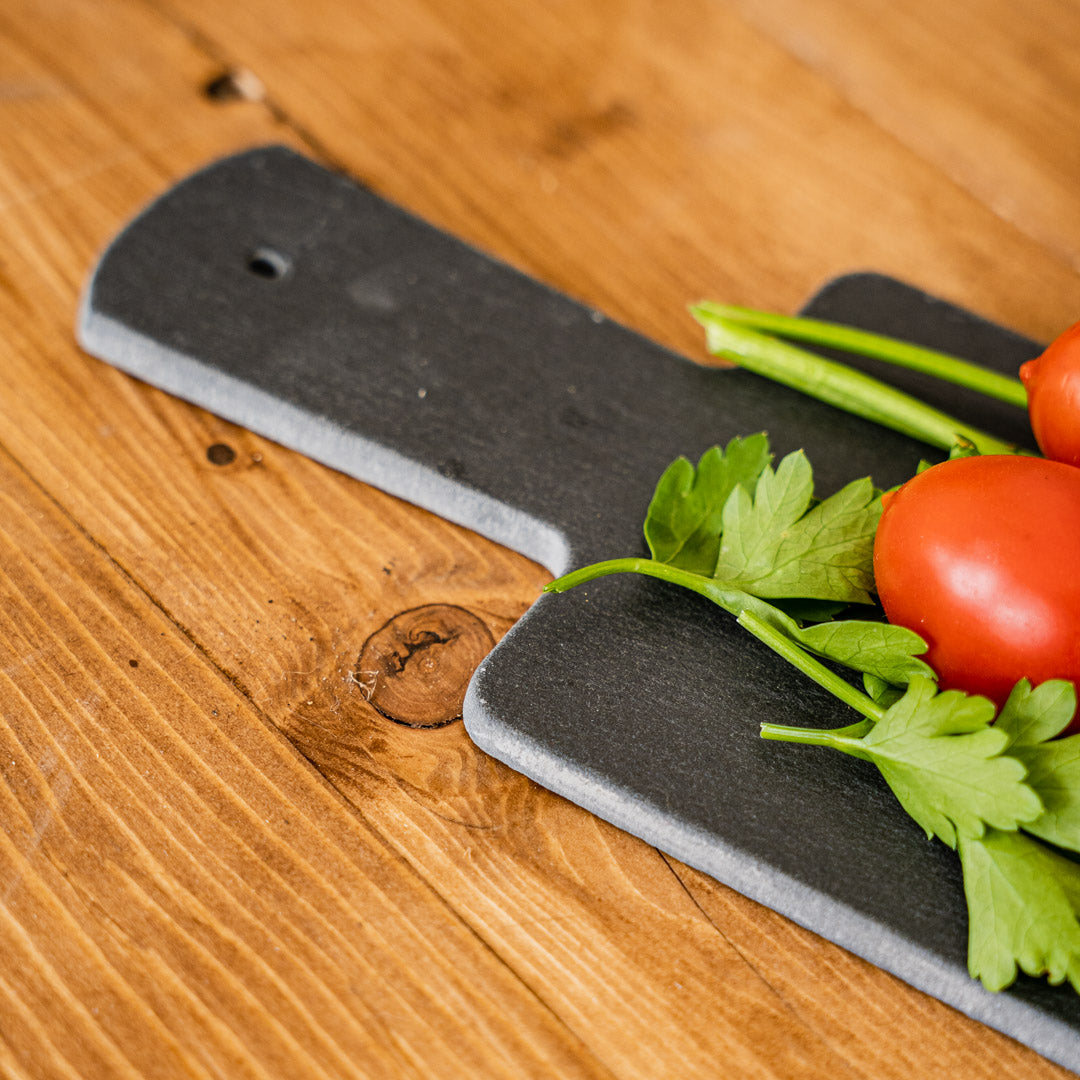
pixel 745 337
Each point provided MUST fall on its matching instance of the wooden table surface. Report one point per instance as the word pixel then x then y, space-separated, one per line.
pixel 218 859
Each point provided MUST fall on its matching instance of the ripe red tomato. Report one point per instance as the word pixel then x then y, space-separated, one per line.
pixel 1052 381
pixel 981 557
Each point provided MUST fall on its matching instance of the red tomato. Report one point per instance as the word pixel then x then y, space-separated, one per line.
pixel 1052 381
pixel 981 557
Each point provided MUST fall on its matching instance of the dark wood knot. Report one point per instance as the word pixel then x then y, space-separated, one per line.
pixel 416 667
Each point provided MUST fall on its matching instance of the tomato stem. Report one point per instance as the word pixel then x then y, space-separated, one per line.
pixel 810 667
pixel 903 354
pixel 839 385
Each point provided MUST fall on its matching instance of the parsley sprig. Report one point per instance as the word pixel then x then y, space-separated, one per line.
pixel 1002 790
pixel 753 538
pixel 946 764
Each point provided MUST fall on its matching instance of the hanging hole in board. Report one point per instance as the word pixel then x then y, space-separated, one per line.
pixel 268 264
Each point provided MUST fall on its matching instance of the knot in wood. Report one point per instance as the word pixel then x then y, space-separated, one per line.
pixel 415 668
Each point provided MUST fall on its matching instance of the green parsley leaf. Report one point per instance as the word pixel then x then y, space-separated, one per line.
pixel 881 651
pixel 775 545
pixel 1022 900
pixel 881 691
pixel 683 523
pixel 1033 716
pixel 1032 719
pixel 891 653
pixel 945 763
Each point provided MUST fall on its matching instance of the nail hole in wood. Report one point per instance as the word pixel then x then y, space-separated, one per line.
pixel 220 454
pixel 235 84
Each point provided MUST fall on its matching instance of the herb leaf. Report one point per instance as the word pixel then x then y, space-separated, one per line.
pixel 774 545
pixel 945 763
pixel 891 653
pixel 1022 909
pixel 757 529
pixel 881 691
pixel 1032 718
pixel 683 523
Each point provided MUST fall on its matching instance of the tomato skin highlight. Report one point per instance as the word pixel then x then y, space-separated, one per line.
pixel 981 557
pixel 1052 382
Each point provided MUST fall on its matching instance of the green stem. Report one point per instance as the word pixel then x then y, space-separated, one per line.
pixel 836 384
pixel 830 737
pixel 731 600
pixel 893 351
pixel 811 668
pixel 768 625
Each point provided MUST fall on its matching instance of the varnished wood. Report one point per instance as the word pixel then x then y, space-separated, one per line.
pixel 219 857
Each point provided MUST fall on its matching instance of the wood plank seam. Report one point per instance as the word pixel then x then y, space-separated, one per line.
pixel 670 864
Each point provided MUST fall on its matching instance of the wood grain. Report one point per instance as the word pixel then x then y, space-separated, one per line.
pixel 991 117
pixel 225 860
pixel 182 895
pixel 646 154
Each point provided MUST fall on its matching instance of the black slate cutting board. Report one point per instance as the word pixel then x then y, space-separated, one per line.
pixel 297 303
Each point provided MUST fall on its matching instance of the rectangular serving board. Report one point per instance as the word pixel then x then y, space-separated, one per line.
pixel 296 302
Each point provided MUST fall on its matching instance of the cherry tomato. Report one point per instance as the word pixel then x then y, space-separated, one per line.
pixel 1052 381
pixel 981 557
